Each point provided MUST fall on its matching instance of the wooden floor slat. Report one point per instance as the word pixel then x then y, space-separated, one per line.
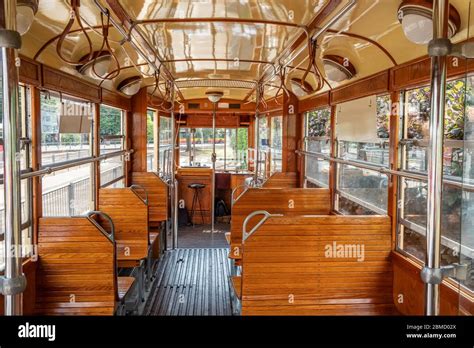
pixel 192 282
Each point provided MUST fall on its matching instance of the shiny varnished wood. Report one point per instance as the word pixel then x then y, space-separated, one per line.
pixel 77 269
pixel 275 201
pixel 157 192
pixel 187 176
pixel 287 270
pixel 130 216
pixel 282 180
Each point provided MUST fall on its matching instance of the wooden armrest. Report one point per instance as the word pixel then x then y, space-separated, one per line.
pixel 124 284
pixel 237 285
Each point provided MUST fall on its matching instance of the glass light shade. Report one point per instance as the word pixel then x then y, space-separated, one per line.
pixel 24 18
pixel 297 90
pixel 132 87
pixel 214 97
pixel 335 73
pixel 417 28
pixel 101 67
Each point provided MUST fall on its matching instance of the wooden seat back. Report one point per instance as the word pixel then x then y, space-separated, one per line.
pixel 282 180
pixel 76 272
pixel 157 196
pixel 295 266
pixel 296 201
pixel 130 216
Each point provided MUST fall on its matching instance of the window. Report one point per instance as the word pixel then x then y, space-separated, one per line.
pixel 231 148
pixel 457 205
pixel 263 145
pixel 26 184
pixel 276 143
pixel 317 140
pixel 112 139
pixel 367 190
pixel 65 129
pixel 151 130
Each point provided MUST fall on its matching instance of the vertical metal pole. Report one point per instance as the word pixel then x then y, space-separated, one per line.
pixel 435 164
pixel 213 178
pixel 174 186
pixel 257 135
pixel 13 281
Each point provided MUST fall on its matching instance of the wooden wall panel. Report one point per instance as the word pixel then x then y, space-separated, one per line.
pixel 56 80
pixel 116 100
pixel 139 131
pixel 30 72
pixel 371 85
pixel 408 291
pixel 205 120
pixel 314 102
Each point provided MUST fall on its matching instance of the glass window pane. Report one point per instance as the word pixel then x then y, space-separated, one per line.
pixel 68 192
pixel 111 170
pixel 276 143
pixel 65 129
pixel 111 129
pixel 165 141
pixel 150 135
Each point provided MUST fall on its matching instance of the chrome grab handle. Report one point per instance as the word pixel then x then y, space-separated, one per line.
pixel 136 187
pixel 110 235
pixel 266 216
pixel 232 200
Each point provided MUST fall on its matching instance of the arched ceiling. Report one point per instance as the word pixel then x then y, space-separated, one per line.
pixel 200 42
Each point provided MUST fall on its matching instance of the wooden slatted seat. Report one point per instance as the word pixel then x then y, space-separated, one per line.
pixel 76 272
pixel 237 286
pixel 297 201
pixel 157 192
pixel 130 215
pixel 282 180
pixel 290 268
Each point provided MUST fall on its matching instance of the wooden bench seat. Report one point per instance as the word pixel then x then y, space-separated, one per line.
pixel 296 201
pixel 130 216
pixel 76 272
pixel 282 180
pixel 157 192
pixel 295 266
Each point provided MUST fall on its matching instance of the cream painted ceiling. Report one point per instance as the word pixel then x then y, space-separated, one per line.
pixel 235 40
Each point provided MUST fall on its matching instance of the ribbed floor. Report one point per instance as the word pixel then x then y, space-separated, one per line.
pixel 192 282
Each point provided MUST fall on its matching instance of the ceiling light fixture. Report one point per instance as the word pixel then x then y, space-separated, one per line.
pixel 130 86
pixel 97 68
pixel 25 14
pixel 301 88
pixel 214 96
pixel 337 68
pixel 416 18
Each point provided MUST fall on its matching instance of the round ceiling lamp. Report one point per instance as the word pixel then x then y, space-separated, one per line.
pixel 338 69
pixel 130 86
pixel 416 18
pixel 97 68
pixel 214 96
pixel 301 88
pixel 25 14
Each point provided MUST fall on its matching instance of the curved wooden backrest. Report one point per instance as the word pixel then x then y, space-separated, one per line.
pixel 296 201
pixel 130 216
pixel 157 195
pixel 282 180
pixel 77 268
pixel 321 265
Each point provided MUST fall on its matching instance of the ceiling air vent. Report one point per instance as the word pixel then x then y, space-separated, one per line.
pixel 193 106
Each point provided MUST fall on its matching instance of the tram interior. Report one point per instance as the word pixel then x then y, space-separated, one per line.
pixel 225 157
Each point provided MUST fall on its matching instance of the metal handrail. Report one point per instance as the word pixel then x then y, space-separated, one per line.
pixel 385 170
pixel 73 163
pixel 111 235
pixel 266 216
pixel 232 200
pixel 136 187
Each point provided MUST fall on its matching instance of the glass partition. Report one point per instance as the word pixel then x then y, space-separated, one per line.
pixel 276 143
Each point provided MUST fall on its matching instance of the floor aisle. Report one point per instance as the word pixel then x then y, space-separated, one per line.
pixel 192 282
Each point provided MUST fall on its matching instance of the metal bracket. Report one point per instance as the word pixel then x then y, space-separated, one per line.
pixel 12 286
pixel 10 39
pixel 266 216
pixel 440 48
pixel 436 275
